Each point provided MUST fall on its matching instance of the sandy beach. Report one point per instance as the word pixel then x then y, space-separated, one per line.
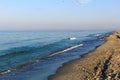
pixel 101 64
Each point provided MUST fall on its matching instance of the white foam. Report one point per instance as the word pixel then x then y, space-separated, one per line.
pixel 73 38
pixel 68 49
pixel 5 72
pixel 97 34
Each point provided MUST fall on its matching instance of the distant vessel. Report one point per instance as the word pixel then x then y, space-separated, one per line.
pixel 73 38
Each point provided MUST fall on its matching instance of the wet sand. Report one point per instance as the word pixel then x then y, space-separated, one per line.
pixel 100 64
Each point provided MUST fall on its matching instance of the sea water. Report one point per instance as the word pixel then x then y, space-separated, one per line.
pixel 35 55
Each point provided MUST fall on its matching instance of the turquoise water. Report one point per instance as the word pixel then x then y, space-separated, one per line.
pixel 35 55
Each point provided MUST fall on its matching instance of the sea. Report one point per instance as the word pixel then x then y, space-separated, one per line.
pixel 35 55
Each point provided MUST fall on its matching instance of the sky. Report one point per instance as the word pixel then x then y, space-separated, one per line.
pixel 59 14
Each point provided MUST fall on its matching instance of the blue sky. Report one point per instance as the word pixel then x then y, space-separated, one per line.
pixel 59 14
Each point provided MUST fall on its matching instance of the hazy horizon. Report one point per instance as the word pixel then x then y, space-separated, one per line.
pixel 59 14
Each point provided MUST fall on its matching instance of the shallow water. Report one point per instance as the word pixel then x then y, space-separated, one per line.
pixel 37 54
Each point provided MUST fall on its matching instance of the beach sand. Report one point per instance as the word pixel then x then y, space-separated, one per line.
pixel 100 64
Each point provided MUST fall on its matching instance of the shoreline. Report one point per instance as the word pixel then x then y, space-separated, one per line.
pixel 94 65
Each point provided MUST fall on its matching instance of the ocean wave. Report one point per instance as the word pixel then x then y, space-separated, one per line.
pixel 38 59
pixel 97 34
pixel 68 49
pixel 14 53
pixel 94 35
pixel 20 55
pixel 62 44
